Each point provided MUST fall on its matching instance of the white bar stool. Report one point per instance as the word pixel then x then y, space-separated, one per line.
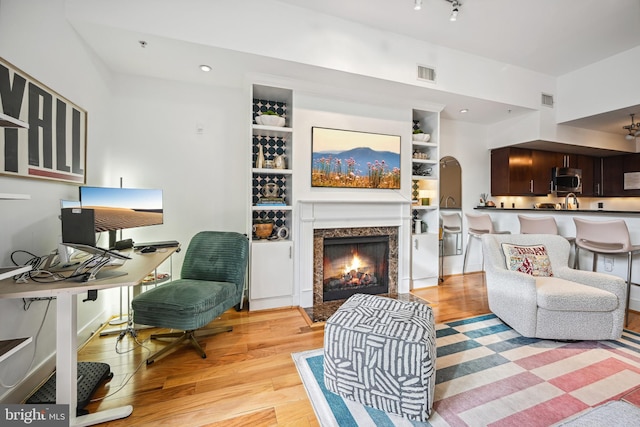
pixel 452 225
pixel 606 237
pixel 540 225
pixel 477 225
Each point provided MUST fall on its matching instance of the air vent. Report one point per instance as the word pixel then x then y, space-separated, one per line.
pixel 547 100
pixel 426 74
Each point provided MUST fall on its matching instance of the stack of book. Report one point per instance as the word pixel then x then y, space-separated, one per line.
pixel 271 201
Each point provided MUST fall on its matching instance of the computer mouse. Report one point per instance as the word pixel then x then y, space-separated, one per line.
pixel 148 249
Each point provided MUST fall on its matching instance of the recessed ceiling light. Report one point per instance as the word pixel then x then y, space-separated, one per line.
pixel 205 68
pixel 464 110
pixel 143 43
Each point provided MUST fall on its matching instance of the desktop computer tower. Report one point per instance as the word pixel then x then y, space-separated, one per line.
pixel 78 226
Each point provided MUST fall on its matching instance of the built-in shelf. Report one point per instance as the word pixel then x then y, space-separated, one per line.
pixel 424 207
pixel 7 121
pixel 271 208
pixel 9 347
pixel 272 131
pixel 11 196
pixel 272 171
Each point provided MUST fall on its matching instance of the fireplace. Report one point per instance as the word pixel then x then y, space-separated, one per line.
pixel 337 275
pixel 355 265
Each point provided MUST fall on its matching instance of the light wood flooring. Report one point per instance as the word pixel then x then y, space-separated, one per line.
pixel 248 377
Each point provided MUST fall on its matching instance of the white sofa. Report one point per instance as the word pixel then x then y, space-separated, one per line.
pixel 570 305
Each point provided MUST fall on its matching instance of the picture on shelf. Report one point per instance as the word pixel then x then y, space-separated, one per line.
pixel 354 159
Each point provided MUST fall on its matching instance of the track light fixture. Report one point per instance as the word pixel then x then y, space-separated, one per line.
pixel 633 129
pixel 455 8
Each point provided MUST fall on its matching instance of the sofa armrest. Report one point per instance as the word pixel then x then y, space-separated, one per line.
pixel 607 282
pixel 512 284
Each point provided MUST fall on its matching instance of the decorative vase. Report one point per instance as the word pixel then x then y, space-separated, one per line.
pixel 279 162
pixel 263 230
pixel 260 159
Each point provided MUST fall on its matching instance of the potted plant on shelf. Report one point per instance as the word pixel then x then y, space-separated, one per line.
pixel 270 118
pixel 263 227
pixel 420 136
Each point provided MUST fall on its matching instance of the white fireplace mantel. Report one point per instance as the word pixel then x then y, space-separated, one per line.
pixel 321 214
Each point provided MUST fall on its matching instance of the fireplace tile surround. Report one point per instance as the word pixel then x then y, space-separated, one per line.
pixel 318 254
pixel 323 218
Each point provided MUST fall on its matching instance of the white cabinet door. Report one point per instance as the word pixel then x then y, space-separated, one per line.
pixel 271 273
pixel 424 254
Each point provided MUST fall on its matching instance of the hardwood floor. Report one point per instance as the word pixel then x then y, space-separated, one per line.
pixel 248 377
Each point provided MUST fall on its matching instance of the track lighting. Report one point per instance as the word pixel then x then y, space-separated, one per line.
pixel 455 8
pixel 633 129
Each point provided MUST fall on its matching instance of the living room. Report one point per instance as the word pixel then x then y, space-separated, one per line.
pixel 189 135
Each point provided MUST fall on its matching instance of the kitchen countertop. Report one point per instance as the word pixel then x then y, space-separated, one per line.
pixel 559 211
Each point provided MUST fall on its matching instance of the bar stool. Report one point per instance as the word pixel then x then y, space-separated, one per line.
pixel 477 225
pixel 606 238
pixel 540 225
pixel 452 224
pixel 537 225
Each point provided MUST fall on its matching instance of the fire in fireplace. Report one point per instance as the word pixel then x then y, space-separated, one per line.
pixel 355 265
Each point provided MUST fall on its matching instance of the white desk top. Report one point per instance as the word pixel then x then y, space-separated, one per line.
pixel 137 269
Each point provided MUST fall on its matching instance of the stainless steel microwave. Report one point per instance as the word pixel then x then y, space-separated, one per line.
pixel 567 180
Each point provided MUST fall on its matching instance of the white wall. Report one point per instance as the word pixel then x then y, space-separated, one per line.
pixel 35 37
pixel 155 145
pixel 607 85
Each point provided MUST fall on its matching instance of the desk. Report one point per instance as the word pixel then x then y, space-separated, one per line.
pixel 66 293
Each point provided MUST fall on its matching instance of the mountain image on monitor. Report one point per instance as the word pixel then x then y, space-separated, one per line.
pixel 110 218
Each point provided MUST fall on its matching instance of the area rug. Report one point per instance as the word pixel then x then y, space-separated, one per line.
pixel 489 375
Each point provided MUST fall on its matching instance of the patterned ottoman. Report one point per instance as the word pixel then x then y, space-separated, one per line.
pixel 381 352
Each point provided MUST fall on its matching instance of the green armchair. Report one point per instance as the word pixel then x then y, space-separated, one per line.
pixel 211 282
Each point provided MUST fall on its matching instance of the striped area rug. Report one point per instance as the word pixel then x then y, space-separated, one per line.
pixel 489 375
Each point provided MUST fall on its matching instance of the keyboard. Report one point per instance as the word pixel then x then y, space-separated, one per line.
pixel 162 244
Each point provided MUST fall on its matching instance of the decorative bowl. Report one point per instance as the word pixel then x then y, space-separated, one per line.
pixel 270 120
pixel 421 137
pixel 264 230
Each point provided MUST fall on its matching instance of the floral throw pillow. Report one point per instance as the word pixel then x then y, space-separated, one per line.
pixel 531 259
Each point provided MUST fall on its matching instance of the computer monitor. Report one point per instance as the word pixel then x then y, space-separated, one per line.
pixel 121 208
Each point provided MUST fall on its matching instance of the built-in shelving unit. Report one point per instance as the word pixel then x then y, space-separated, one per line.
pixel 271 199
pixel 425 213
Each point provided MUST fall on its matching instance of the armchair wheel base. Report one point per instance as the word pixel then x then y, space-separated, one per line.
pixel 183 336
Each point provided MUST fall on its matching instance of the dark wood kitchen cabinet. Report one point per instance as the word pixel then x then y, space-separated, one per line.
pixel 542 162
pixel 588 166
pixel 522 172
pixel 511 172
pixel 612 176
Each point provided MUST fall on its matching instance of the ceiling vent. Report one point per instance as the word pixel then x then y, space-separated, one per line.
pixel 426 74
pixel 547 100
